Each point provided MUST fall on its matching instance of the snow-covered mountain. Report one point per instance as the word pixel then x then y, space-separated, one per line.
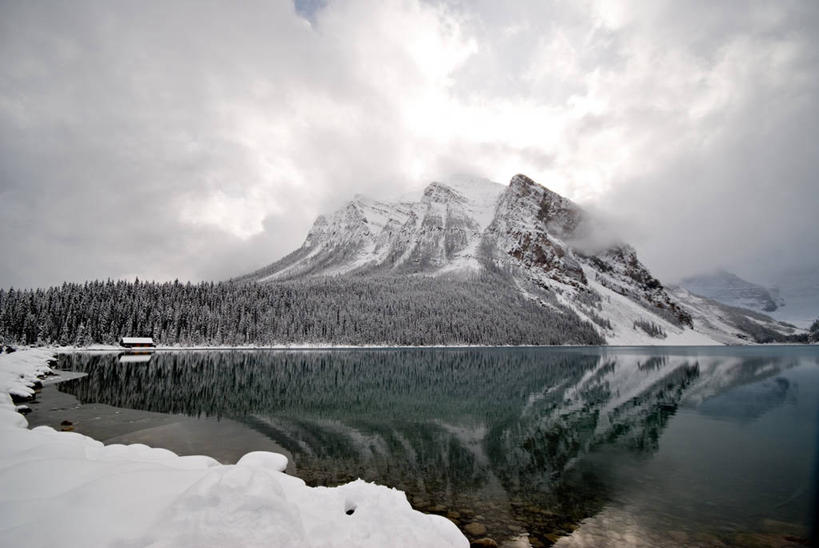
pixel 440 232
pixel 792 297
pixel 732 290
pixel 531 238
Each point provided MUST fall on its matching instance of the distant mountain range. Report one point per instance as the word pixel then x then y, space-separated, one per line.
pixel 730 289
pixel 794 299
pixel 523 240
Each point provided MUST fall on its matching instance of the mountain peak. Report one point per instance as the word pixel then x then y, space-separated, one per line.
pixel 527 201
pixel 441 193
pixel 522 180
pixel 523 183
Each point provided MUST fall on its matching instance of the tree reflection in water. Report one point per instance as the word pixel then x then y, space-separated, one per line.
pixel 494 435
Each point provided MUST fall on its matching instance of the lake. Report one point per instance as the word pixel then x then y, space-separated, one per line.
pixel 708 446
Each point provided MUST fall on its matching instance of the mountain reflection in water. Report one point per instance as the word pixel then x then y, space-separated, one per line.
pixel 498 436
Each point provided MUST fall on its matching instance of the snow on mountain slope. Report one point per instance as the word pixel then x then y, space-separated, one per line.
pixel 530 238
pixel 623 313
pixel 732 290
pixel 731 325
pixel 441 232
pixel 482 197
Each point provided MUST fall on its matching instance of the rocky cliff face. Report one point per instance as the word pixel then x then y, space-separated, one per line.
pixel 526 234
pixel 530 229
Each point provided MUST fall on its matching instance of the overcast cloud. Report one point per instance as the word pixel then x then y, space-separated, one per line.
pixel 198 140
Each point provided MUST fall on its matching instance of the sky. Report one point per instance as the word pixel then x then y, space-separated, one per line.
pixel 199 140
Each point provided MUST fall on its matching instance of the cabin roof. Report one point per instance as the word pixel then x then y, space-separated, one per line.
pixel 137 340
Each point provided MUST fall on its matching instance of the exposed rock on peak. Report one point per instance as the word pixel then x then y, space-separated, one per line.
pixel 439 192
pixel 521 180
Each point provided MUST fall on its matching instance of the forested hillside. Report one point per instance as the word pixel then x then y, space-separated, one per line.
pixel 411 310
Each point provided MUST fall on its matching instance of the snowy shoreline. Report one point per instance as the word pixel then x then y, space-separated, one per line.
pixel 319 347
pixel 314 347
pixel 133 495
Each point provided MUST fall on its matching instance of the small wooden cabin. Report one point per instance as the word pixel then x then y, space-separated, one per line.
pixel 137 342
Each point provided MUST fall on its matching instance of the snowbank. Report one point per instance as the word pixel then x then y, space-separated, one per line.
pixel 66 489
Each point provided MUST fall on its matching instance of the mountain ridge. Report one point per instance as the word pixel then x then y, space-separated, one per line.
pixel 530 237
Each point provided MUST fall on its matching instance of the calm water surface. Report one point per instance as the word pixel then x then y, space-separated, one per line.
pixel 694 446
